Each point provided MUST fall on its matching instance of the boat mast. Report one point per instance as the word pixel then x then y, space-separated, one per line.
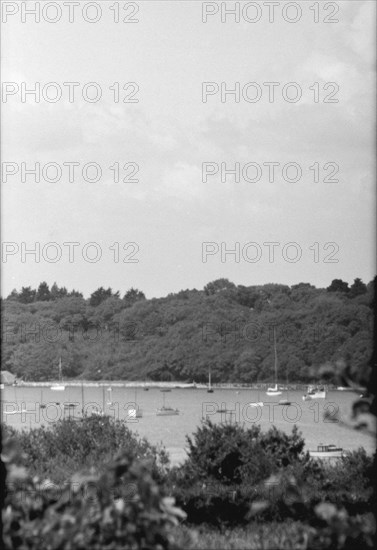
pixel 209 378
pixel 60 369
pixel 82 398
pixel 276 360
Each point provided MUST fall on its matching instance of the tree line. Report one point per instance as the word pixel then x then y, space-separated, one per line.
pixel 225 328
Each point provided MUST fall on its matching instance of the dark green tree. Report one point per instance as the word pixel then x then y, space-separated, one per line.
pixel 132 296
pixel 14 295
pixel 57 292
pixel 218 285
pixel 27 295
pixel 74 294
pixel 357 288
pixel 100 295
pixel 43 293
pixel 337 285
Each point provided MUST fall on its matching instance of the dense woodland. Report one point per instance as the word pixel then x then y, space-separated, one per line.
pixel 226 328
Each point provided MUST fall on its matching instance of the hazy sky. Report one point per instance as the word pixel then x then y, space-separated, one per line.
pixel 170 132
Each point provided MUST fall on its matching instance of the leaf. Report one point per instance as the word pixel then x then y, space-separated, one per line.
pixel 326 511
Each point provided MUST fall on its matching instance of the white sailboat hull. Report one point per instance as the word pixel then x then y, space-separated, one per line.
pixel 316 395
pixel 273 391
pixel 57 387
pixel 167 412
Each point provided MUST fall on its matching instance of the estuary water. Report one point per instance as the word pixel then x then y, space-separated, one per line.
pixel 23 403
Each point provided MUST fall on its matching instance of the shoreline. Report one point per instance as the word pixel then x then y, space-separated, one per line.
pixel 176 385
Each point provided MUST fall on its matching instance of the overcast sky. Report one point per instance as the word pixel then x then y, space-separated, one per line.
pixel 170 132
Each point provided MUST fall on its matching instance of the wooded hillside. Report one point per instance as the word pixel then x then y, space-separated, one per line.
pixel 224 327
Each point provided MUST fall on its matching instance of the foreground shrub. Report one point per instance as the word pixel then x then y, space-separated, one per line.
pixel 235 475
pixel 70 445
pixel 225 466
pixel 120 508
pixel 231 453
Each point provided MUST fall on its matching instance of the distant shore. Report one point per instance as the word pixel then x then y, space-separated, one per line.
pixel 177 385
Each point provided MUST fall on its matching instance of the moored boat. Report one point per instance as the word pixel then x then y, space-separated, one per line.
pixel 284 402
pixel 314 393
pixel 274 390
pixel 60 386
pixel 57 387
pixel 167 411
pixel 327 451
pixel 138 411
pixel 256 404
pixel 209 389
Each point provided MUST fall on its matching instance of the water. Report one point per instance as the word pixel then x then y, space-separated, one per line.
pixel 194 404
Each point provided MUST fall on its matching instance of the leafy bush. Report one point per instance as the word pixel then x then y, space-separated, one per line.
pixel 119 508
pixel 225 466
pixel 69 445
pixel 232 453
pixel 233 475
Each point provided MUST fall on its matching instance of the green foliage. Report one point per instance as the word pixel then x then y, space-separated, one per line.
pixel 27 295
pixel 218 286
pixel 231 453
pixel 132 296
pixel 100 295
pixel 235 475
pixel 261 485
pixel 120 508
pixel 69 445
pixel 225 466
pixel 337 285
pixel 264 536
pixel 357 288
pixel 43 293
pixel 225 328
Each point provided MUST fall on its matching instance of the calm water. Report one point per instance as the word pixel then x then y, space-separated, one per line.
pixel 193 404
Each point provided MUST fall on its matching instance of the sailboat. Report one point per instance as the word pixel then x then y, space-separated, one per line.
pixel 274 390
pixel 166 411
pixel 139 411
pixel 285 401
pixel 109 395
pixel 41 404
pixel 209 389
pixel 60 386
pixel 135 411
